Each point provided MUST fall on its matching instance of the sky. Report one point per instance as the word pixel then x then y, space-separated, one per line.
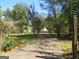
pixel 10 3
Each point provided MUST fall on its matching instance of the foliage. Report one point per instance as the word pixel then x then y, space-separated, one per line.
pixel 37 25
pixel 2 26
pixel 1 13
pixel 7 45
pixel 8 14
pixel 35 19
pixel 19 14
pixel 12 41
pixel 49 24
pixel 59 20
pixel 54 9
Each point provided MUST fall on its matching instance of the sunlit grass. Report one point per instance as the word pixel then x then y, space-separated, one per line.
pixel 67 46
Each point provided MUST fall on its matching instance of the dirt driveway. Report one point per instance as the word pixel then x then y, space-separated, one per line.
pixel 39 49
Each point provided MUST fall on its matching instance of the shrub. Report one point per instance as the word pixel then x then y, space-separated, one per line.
pixel 7 45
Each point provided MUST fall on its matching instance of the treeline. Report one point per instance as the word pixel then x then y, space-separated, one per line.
pixel 59 19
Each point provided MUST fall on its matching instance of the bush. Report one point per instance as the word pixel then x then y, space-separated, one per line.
pixel 7 45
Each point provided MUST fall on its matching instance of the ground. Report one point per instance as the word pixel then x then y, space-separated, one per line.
pixel 44 48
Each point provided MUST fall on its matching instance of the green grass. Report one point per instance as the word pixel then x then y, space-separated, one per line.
pixel 22 40
pixel 66 45
pixel 67 48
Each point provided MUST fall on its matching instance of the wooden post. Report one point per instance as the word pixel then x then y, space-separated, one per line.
pixel 74 41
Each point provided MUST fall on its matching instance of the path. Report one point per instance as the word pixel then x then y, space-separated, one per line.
pixel 39 49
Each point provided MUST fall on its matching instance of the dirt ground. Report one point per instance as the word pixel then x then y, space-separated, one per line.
pixel 45 48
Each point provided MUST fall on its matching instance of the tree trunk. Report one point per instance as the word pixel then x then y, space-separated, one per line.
pixel 58 34
pixel 38 31
pixel 74 41
pixel 71 27
pixel 1 40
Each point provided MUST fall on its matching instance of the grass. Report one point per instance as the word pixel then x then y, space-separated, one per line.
pixel 67 48
pixel 22 40
pixel 66 45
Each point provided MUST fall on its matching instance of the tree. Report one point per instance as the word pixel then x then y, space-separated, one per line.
pixel 61 26
pixel 49 24
pixel 1 13
pixel 35 19
pixel 2 33
pixel 8 14
pixel 20 14
pixel 1 30
pixel 72 7
pixel 68 8
pixel 53 8
pixel 37 25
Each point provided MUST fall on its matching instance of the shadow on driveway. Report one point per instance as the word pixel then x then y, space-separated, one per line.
pixel 4 57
